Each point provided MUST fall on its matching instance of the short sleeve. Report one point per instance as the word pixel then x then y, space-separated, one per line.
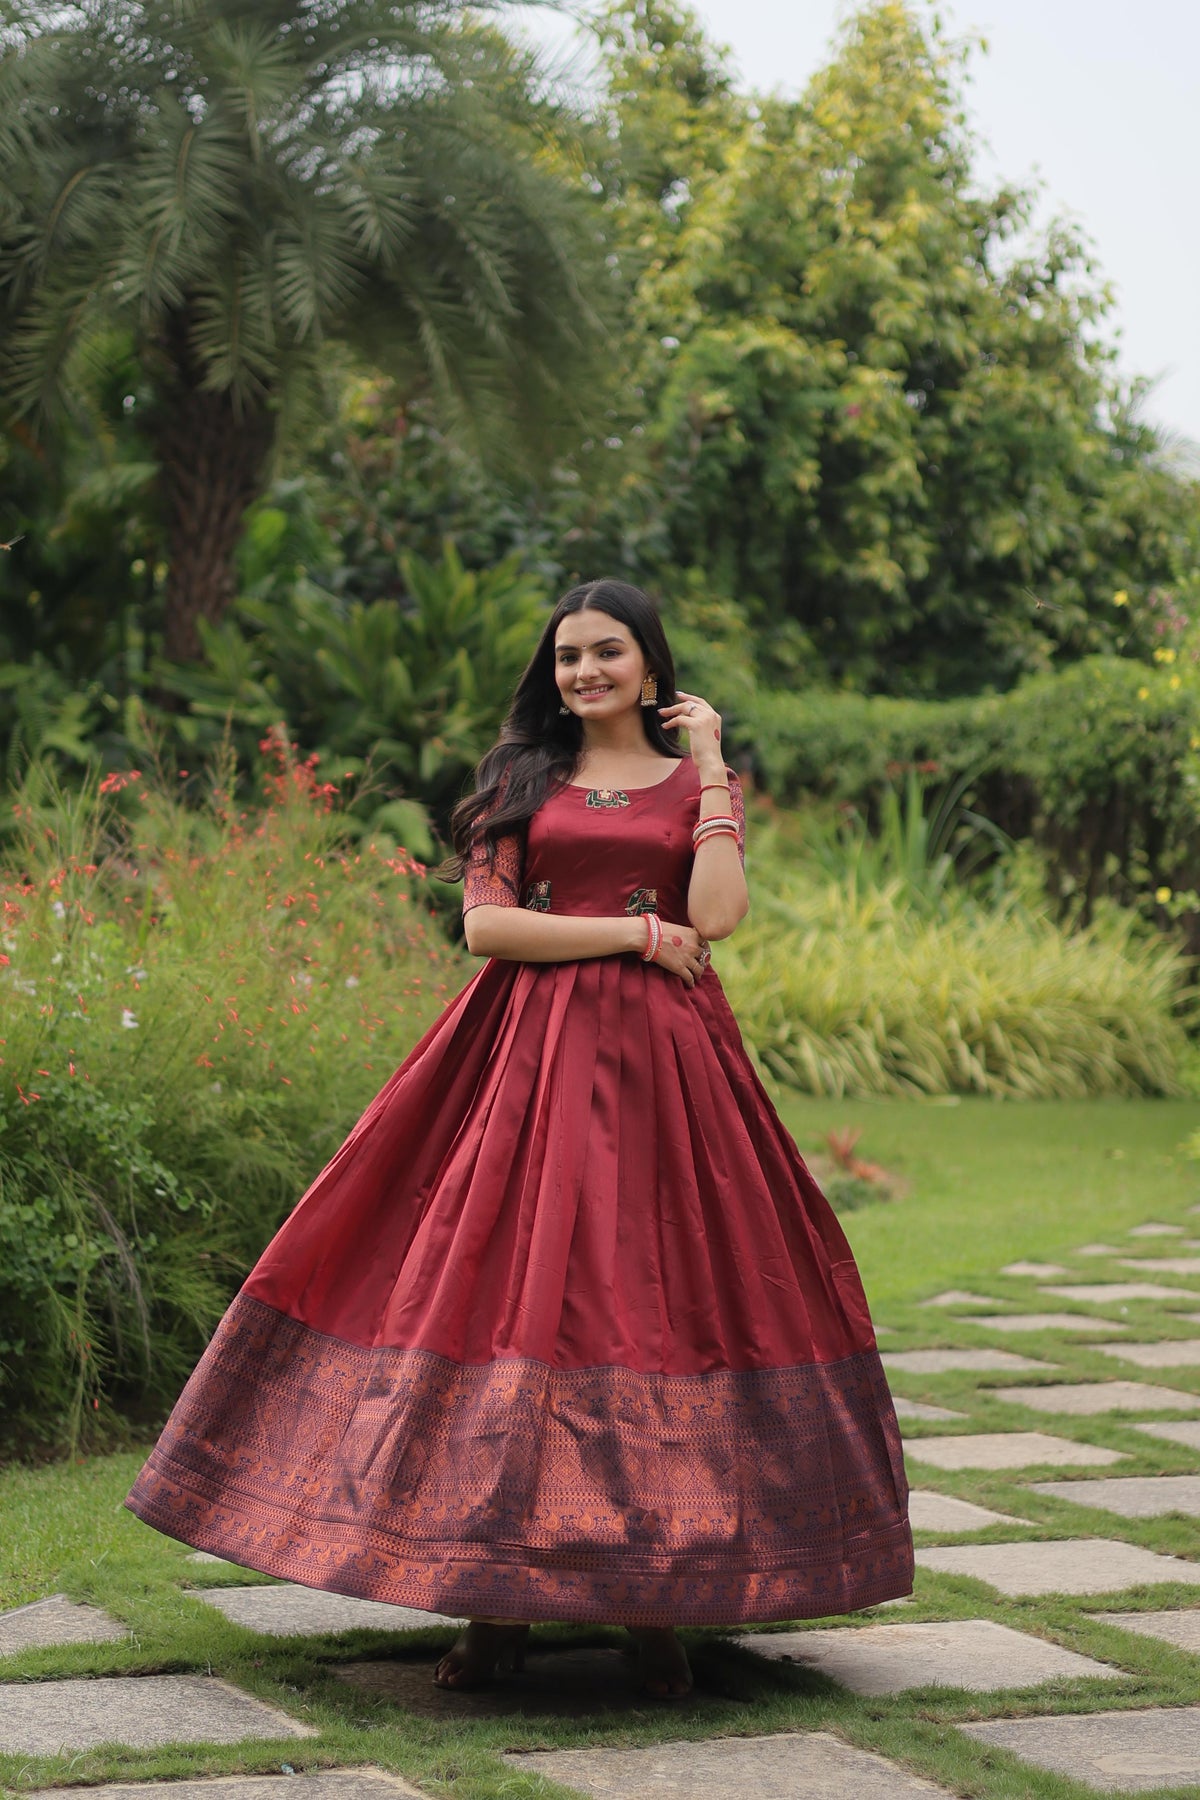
pixel 495 883
pixel 737 809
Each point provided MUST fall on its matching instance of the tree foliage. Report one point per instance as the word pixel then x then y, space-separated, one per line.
pixel 236 185
pixel 878 409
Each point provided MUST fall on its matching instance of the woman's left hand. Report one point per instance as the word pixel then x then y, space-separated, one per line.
pixel 702 722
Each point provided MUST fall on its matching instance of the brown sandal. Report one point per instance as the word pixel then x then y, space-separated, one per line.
pixel 486 1649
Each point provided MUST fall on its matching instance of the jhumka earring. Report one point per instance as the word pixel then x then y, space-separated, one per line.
pixel 649 690
pixel 564 709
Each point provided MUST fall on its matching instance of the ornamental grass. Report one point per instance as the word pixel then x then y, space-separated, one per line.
pixel 846 989
pixel 196 1002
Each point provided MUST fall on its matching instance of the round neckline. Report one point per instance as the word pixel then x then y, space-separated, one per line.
pixel 647 787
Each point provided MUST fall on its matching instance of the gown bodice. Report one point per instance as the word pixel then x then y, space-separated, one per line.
pixel 600 852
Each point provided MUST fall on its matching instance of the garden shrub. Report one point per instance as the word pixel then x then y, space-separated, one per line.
pixel 1097 764
pixel 197 1004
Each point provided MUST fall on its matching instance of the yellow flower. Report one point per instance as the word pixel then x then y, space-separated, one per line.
pixel 1121 599
pixel 1162 895
pixel 1194 743
pixel 1143 693
pixel 1164 654
pixel 1175 681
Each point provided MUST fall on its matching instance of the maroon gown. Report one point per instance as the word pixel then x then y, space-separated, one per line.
pixel 566 1329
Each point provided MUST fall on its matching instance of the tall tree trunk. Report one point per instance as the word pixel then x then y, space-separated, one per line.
pixel 212 460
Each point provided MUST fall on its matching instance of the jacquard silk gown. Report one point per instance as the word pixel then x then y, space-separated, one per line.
pixel 566 1329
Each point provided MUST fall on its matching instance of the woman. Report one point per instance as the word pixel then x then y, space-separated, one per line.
pixel 565 1330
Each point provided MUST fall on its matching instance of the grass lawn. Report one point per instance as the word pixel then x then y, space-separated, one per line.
pixel 989 1184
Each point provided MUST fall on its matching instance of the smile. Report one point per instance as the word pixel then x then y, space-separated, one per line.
pixel 591 693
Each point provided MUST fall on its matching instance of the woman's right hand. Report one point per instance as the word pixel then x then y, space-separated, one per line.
pixel 683 951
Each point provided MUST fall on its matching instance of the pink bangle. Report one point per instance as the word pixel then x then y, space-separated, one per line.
pixel 653 936
pixel 711 787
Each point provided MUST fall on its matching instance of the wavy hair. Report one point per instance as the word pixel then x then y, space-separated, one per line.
pixel 539 747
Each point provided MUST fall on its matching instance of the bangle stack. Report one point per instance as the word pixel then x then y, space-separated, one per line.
pixel 720 825
pixel 653 936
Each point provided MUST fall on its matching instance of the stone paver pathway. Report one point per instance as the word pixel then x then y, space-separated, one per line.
pixel 1133 1496
pixel 917 1409
pixel 1039 1271
pixel 1117 1753
pixel 1176 1353
pixel 317 1784
pixel 56 1620
pixel 962 1297
pixel 1163 1265
pixel 945 1362
pixel 1050 1321
pixel 1183 1431
pixel 1105 1293
pixel 812 1765
pixel 1007 1450
pixel 40 1718
pixel 291 1611
pixel 1182 1629
pixel 1154 1228
pixel 939 1512
pixel 1069 1566
pixel 1083 1397
pixel 977 1654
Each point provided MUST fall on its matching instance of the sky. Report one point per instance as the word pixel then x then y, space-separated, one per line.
pixel 1096 100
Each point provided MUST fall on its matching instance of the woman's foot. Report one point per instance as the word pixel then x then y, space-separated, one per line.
pixel 486 1647
pixel 663 1669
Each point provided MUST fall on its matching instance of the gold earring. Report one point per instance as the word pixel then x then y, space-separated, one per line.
pixel 564 709
pixel 649 689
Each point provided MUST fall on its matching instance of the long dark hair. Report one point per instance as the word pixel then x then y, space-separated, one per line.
pixel 538 747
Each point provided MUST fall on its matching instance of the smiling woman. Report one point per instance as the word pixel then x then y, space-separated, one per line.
pixel 566 1329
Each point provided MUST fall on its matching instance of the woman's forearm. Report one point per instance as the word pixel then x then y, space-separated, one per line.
pixel 717 897
pixel 516 935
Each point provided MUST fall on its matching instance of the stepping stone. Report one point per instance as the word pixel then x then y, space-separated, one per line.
pixel 1179 1628
pixel 1163 1265
pixel 40 1718
pixel 1085 1397
pixel 1115 1753
pixel 940 1362
pixel 318 1784
pixel 1133 1496
pixel 1048 1322
pixel 967 1653
pixel 1102 1293
pixel 938 1512
pixel 1071 1566
pixel 1185 1431
pixel 809 1765
pixel 293 1611
pixel 916 1409
pixel 56 1620
pixel 206 1556
pixel 962 1297
pixel 1097 1250
pixel 1007 1450
pixel 1153 1229
pixel 1172 1353
pixel 597 1682
pixel 1039 1270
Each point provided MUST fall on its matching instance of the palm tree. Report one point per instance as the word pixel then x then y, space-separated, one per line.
pixel 242 186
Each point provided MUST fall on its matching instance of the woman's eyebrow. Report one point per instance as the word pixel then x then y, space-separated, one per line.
pixel 595 646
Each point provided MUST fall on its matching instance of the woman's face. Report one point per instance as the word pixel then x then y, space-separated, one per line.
pixel 598 664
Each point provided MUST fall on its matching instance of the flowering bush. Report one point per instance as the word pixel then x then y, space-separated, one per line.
pixel 195 1005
